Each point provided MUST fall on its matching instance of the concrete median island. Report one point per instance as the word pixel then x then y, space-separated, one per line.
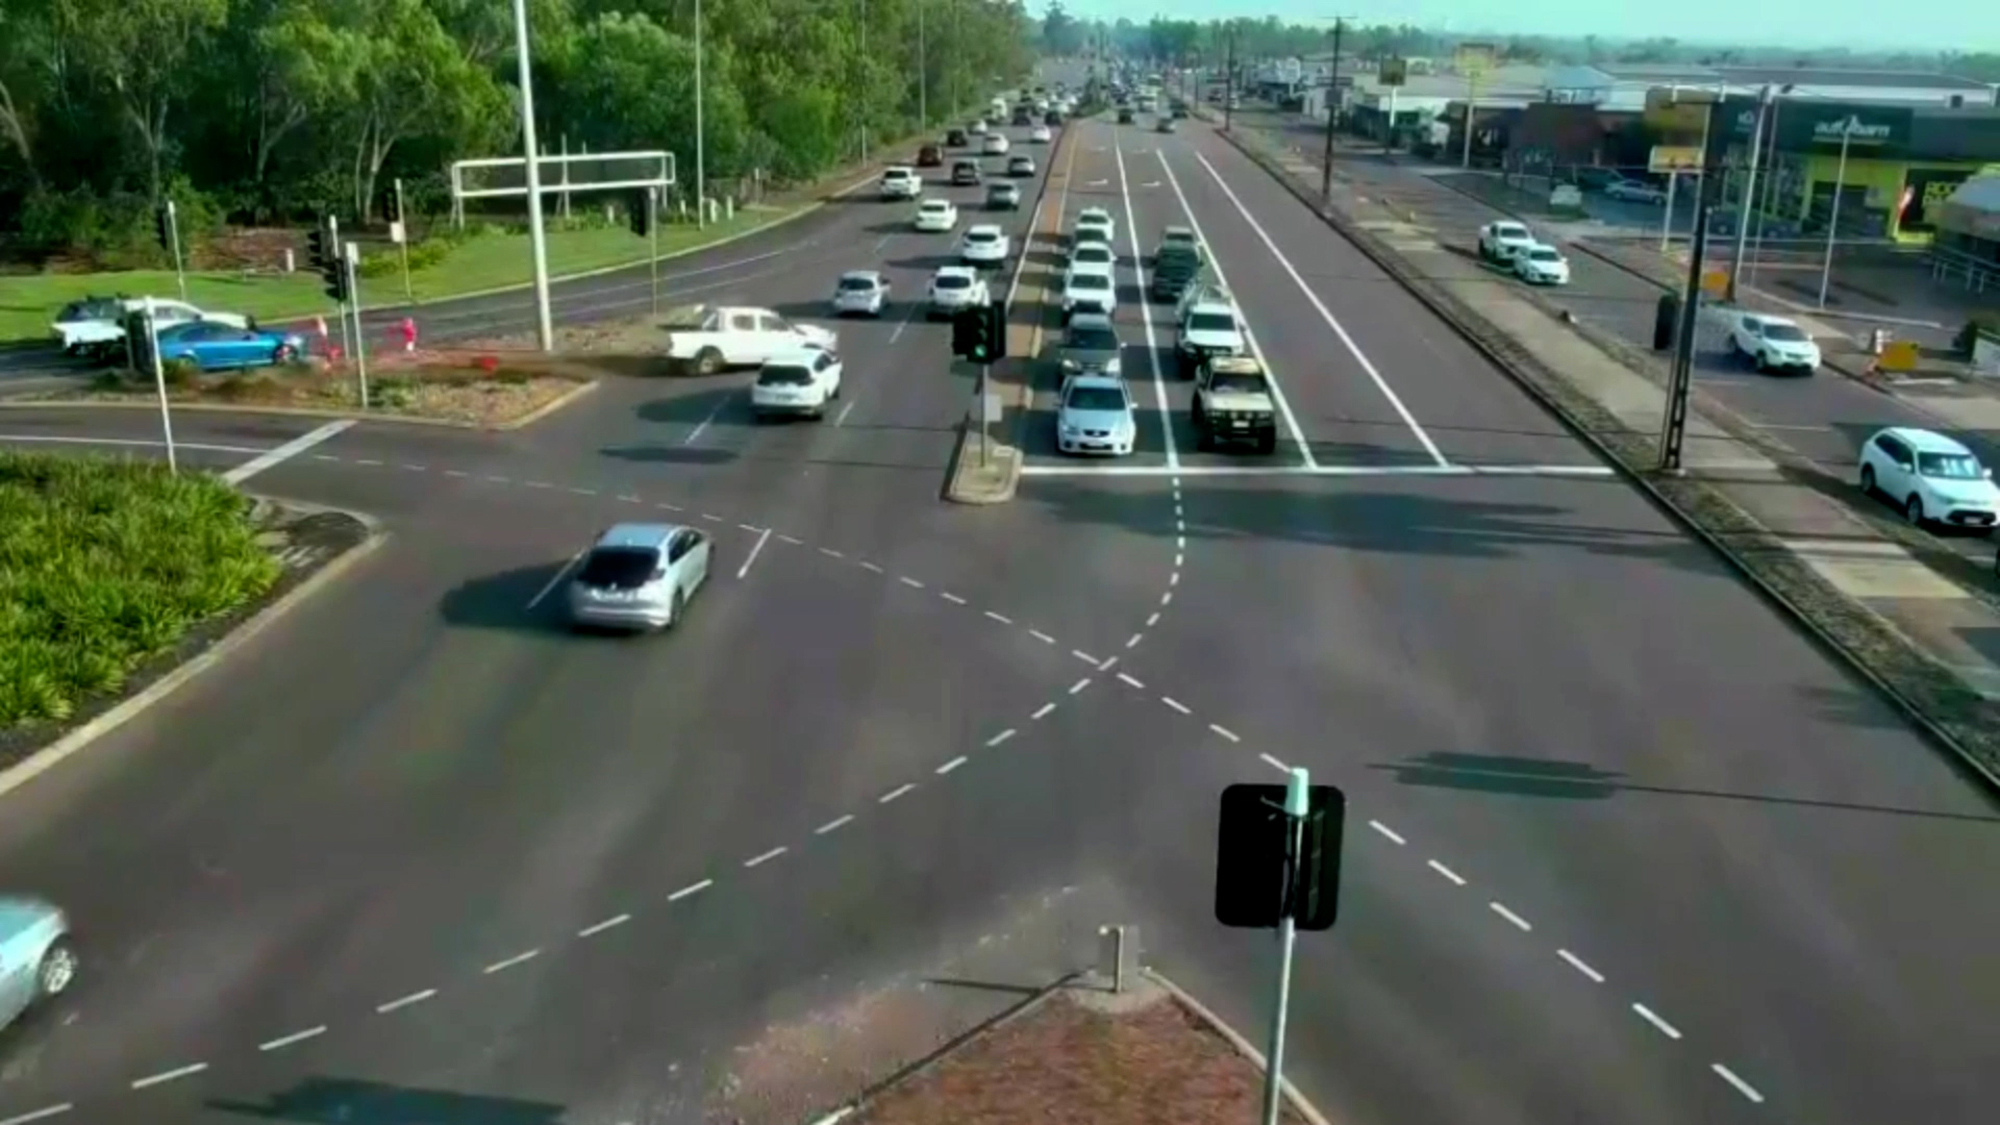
pixel 116 574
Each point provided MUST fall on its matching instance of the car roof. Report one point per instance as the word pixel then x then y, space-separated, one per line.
pixel 1509 226
pixel 894 169
pixel 637 535
pixel 1108 382
pixel 1100 275
pixel 1236 364
pixel 956 271
pixel 866 275
pixel 805 355
pixel 1091 320
pixel 1212 305
pixel 1767 318
pixel 933 204
pixel 983 229
pixel 1927 441
pixel 1177 232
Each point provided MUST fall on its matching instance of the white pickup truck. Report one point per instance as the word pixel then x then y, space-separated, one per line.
pixel 94 327
pixel 733 336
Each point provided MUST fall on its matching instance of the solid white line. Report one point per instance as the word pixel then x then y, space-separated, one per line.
pixel 41 1114
pixel 1275 763
pixel 833 824
pixel 1387 832
pixel 1042 711
pixel 612 922
pixel 1249 337
pixel 892 794
pixel 1224 732
pixel 284 1041
pixel 1000 738
pixel 1175 704
pixel 744 570
pixel 950 597
pixel 554 581
pixel 168 1076
pixel 1580 966
pixel 1000 617
pixel 691 889
pixel 1353 349
pixel 134 443
pixel 841 418
pixel 950 766
pixel 517 959
pixel 759 860
pixel 1519 922
pixel 1447 873
pixel 1079 685
pixel 695 434
pixel 1727 1075
pixel 1590 472
pixel 1146 312
pixel 285 452
pixel 1126 679
pixel 1041 636
pixel 1647 1014
pixel 406 1001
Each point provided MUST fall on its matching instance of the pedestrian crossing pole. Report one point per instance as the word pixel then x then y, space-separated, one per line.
pixel 347 263
pixel 1297 805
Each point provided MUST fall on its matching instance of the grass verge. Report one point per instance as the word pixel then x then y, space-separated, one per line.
pixel 105 564
pixel 29 303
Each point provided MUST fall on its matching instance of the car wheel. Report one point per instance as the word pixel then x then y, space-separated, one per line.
pixel 1268 444
pixel 708 362
pixel 1757 361
pixel 679 604
pixel 57 970
pixel 1868 480
pixel 1913 510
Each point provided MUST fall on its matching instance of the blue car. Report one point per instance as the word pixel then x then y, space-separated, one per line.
pixel 220 347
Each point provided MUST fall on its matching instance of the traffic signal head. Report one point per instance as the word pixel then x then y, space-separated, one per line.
pixel 336 282
pixel 979 333
pixel 640 215
pixel 164 228
pixel 316 253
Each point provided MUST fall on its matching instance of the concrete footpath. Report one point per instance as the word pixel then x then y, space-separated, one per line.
pixel 1921 638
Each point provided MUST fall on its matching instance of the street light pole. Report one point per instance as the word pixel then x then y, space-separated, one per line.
pixel 1765 100
pixel 1229 82
pixel 537 237
pixel 923 74
pixel 700 138
pixel 1332 98
pixel 1833 212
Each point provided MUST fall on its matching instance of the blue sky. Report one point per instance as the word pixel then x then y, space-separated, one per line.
pixel 1965 25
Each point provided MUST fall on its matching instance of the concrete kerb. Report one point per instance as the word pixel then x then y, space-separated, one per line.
pixel 528 419
pixel 1723 524
pixel 48 757
pixel 966 480
pixel 1235 1039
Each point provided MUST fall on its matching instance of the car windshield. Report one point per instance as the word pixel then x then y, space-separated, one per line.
pixel 857 284
pixel 1096 398
pixel 90 308
pixel 1788 333
pixel 982 236
pixel 953 281
pixel 1545 255
pixel 1211 322
pixel 937 208
pixel 1093 252
pixel 1089 281
pixel 784 375
pixel 1949 466
pixel 619 568
pixel 1505 231
pixel 1092 340
pixel 1238 383
pixel 1000 191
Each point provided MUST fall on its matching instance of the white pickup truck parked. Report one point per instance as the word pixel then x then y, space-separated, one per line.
pixel 94 327
pixel 732 336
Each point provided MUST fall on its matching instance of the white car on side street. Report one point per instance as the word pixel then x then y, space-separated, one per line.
pixel 802 382
pixel 984 245
pixel 954 288
pixel 1541 264
pixel 1499 242
pixel 1772 343
pixel 936 216
pixel 1096 417
pixel 1933 478
pixel 1088 292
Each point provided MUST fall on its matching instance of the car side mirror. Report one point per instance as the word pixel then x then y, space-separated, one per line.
pixel 1907 466
pixel 1988 473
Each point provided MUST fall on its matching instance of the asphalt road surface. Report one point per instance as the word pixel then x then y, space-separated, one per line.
pixel 1622 846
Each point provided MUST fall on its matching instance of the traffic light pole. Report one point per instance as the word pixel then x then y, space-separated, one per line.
pixel 333 247
pixel 347 265
pixel 1297 805
pixel 174 243
pixel 160 384
pixel 653 236
pixel 985 416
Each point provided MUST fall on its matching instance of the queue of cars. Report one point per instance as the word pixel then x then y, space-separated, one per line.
pixel 97 329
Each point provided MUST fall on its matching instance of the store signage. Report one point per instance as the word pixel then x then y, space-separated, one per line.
pixel 1673 158
pixel 1853 130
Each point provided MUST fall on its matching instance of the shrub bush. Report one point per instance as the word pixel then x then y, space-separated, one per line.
pixel 105 564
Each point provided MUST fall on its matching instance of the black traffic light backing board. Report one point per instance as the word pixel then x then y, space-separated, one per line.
pixel 1250 863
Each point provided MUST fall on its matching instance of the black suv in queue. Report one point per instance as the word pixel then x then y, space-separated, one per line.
pixel 965 172
pixel 955 138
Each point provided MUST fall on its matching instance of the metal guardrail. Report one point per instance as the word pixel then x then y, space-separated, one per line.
pixel 1948 265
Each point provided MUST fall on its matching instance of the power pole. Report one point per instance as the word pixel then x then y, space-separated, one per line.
pixel 1229 82
pixel 923 74
pixel 1673 423
pixel 1332 99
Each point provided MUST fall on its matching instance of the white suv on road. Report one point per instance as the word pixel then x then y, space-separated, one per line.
pixel 1499 242
pixel 956 287
pixel 901 182
pixel 1931 477
pixel 936 215
pixel 1773 343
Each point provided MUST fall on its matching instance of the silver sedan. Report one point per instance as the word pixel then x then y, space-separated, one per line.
pixel 860 293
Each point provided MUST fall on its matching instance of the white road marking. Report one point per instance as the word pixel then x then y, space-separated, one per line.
pixel 284 1041
pixel 792 541
pixel 829 552
pixel 42 1114
pixel 1727 1075
pixel 1146 313
pixel 416 468
pixel 744 570
pixel 691 889
pixel 1106 666
pixel 869 566
pixel 1647 1014
pixel 134 443
pixel 841 418
pixel 950 766
pixel 711 517
pixel 892 794
pixel 1133 641
pixel 1000 617
pixel 1153 620
pixel 1518 922
pixel 909 581
pixel 537 484
pixel 1083 656
pixel 760 860
pixel 830 825
pixel 630 499
pixel 1580 966
pixel 1588 472
pixel 584 491
pixel 752 530
pixel 516 959
pixel 1174 579
pixel 610 923
pixel 1043 711
pixel 1275 763
pixel 1079 685
pixel 168 1075
pixel 463 473
pixel 912 315
pixel 1387 832
pixel 669 507
pixel 1180 560
pixel 554 580
pixel 497 480
pixel 1224 732
pixel 951 597
pixel 1447 872
pixel 406 1001
pixel 377 464
pixel 285 452
pixel 695 434
pixel 1041 636
pixel 1175 704
pixel 1000 738
pixel 1167 598
pixel 1126 679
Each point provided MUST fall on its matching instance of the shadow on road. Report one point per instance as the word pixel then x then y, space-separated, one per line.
pixel 501 601
pixel 708 404
pixel 347 1101
pixel 671 454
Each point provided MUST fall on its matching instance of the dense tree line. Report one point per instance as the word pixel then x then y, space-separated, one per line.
pixel 267 110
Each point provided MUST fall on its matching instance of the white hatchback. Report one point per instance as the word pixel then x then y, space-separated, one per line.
pixel 638 576
pixel 995 144
pixel 936 215
pixel 799 383
pixel 984 245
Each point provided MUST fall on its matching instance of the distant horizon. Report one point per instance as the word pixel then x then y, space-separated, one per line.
pixel 1776 26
